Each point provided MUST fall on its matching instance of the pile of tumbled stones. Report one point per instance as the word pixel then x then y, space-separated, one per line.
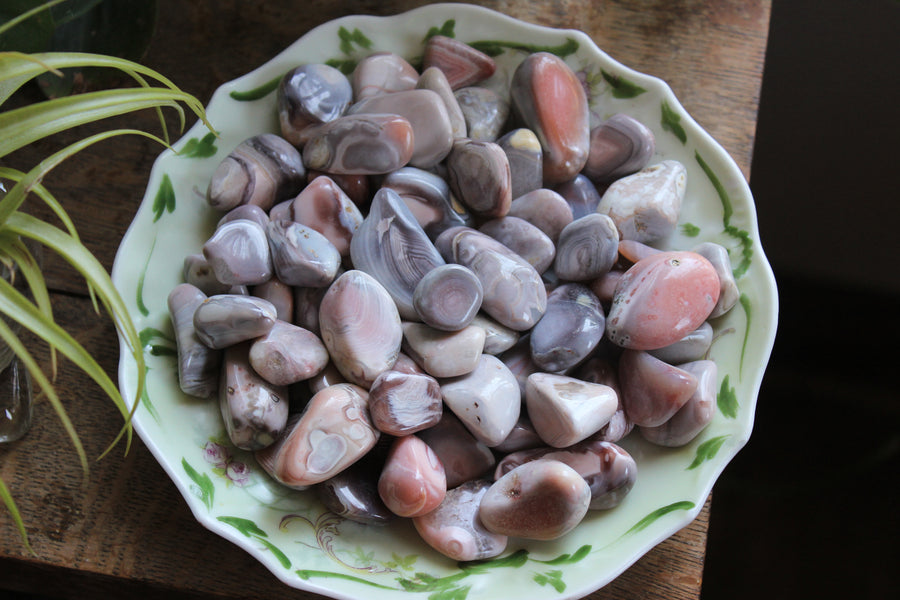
pixel 430 299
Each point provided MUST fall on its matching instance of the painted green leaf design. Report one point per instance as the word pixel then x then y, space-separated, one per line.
pixel 139 292
pixel 145 399
pixel 257 92
pixel 446 30
pixel 245 526
pixel 282 558
pixel 726 399
pixel 553 578
pixel 306 574
pixel 742 236
pixel 566 559
pixel 621 87
pixel 404 562
pixel 164 199
pixel 515 560
pixel 497 47
pixel 707 450
pixel 458 593
pixel 204 483
pixel 148 334
pixel 658 513
pixel 424 582
pixel 200 148
pixel 349 38
pixel 745 304
pixel 671 122
pixel 690 230
pixel 161 350
pixel 345 66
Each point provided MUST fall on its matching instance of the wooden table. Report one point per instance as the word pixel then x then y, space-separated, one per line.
pixel 128 531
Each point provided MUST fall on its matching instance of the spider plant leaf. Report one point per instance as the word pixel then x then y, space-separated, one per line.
pixel 24 125
pixel 18 68
pixel 17 307
pixel 17 517
pixel 44 194
pixel 30 30
pixel 28 14
pixel 37 375
pixel 93 272
pixel 27 182
pixel 29 268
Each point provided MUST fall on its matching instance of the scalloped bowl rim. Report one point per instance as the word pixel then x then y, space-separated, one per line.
pixel 726 168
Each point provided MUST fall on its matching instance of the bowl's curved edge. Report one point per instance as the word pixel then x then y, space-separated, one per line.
pixel 262 74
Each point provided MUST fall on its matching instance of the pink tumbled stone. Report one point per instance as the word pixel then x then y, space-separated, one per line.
pixel 463 456
pixel 326 208
pixel 661 299
pixel 551 101
pixel 403 403
pixel 332 433
pixel 652 391
pixel 288 354
pixel 462 64
pixel 454 529
pixel 696 413
pixel 412 482
pixel 382 73
pixel 539 500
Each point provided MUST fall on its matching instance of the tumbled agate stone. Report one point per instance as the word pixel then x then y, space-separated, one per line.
pixel 454 528
pixel 539 500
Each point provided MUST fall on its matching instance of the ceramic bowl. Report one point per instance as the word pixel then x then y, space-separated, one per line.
pixel 289 531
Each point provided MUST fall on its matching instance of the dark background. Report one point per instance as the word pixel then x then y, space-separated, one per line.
pixel 809 508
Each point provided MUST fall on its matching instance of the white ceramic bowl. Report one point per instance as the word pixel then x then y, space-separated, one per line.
pixel 289 531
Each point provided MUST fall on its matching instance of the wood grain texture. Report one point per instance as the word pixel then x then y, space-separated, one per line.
pixel 127 530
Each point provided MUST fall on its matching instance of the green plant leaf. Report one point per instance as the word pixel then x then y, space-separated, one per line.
pixel 90 268
pixel 17 517
pixel 30 181
pixel 26 27
pixel 621 87
pixel 17 307
pixel 27 124
pixel 37 375
pixel 727 400
pixel 203 482
pixel 671 122
pixel 658 513
pixel 245 526
pixel 707 451
pixel 18 68
pixel 34 276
